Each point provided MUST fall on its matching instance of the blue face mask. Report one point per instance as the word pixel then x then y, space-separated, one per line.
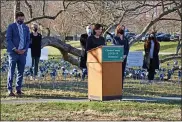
pixel 20 22
pixel 89 31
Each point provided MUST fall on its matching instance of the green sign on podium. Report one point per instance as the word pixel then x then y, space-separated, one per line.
pixel 112 53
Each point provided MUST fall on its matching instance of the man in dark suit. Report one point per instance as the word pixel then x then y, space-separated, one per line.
pixel 18 39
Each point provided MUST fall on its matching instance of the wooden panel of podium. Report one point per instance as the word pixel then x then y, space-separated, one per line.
pixel 104 65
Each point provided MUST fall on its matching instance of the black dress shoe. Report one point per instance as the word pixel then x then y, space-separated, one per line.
pixel 11 94
pixel 19 93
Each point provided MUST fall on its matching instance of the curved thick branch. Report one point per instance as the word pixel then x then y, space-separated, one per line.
pixel 57 43
pixel 69 53
pixel 138 37
pixel 170 58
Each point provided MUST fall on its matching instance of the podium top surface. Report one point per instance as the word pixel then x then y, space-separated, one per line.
pixel 105 46
pixel 106 54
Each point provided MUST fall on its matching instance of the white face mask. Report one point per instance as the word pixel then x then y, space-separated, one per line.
pixel 89 31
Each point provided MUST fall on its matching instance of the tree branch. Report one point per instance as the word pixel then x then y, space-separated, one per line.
pixel 43 7
pixel 122 17
pixel 132 41
pixel 171 19
pixel 30 8
pixel 180 13
pixel 44 17
pixel 50 17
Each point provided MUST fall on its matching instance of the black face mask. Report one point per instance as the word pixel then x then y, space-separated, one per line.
pixel 35 29
pixel 121 32
pixel 20 22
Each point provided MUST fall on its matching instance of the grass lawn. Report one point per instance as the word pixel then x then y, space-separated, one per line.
pixel 112 110
pixel 165 47
pixel 124 110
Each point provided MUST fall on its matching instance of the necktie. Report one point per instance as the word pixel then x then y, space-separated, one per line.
pixel 21 44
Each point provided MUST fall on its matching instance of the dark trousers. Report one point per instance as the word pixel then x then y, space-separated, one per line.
pixel 35 65
pixel 151 70
pixel 123 70
pixel 20 61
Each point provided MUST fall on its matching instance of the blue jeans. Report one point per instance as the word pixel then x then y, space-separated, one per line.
pixel 84 73
pixel 20 61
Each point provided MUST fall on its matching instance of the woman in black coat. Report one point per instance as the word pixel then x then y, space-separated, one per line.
pixel 151 61
pixel 96 39
pixel 121 40
pixel 35 48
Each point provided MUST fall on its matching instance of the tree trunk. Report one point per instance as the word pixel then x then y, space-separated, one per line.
pixel 170 58
pixel 16 8
pixel 3 41
pixel 179 41
pixel 180 37
pixel 66 49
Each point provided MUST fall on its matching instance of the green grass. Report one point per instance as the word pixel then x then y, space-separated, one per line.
pixel 124 110
pixel 3 51
pixel 164 46
pixel 53 51
pixel 75 44
pixel 78 89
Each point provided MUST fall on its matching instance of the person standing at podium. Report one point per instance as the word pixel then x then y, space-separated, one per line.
pixel 96 39
pixel 121 40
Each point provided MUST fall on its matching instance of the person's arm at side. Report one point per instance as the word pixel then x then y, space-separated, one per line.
pixel 9 38
pixel 28 39
pixel 40 40
pixel 81 44
pixel 127 47
pixel 30 45
pixel 89 44
pixel 145 49
pixel 27 42
pixel 83 39
pixel 104 41
pixel 158 48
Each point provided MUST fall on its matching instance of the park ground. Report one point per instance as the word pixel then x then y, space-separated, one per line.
pixel 74 105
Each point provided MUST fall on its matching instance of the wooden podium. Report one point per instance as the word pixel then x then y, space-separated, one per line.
pixel 104 65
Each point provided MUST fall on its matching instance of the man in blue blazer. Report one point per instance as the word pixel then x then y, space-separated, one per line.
pixel 18 39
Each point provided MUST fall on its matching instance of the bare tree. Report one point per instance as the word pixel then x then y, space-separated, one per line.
pixel 71 17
